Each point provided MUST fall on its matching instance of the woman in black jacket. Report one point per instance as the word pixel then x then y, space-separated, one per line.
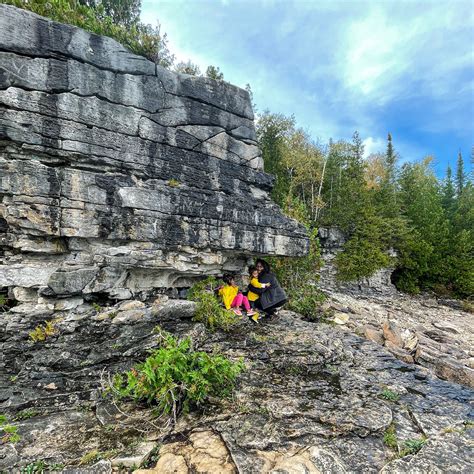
pixel 271 297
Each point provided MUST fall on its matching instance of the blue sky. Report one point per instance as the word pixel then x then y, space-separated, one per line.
pixel 374 66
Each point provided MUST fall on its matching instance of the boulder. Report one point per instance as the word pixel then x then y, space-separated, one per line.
pixel 392 334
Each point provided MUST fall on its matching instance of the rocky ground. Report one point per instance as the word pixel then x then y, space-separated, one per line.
pixel 437 334
pixel 315 398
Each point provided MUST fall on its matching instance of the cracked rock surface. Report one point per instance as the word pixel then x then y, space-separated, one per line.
pixel 311 399
pixel 118 176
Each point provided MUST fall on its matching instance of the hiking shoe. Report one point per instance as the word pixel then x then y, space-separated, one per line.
pixel 251 312
pixel 237 311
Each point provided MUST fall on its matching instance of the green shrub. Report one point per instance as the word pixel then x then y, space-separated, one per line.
pixel 26 414
pixel 41 333
pixel 140 38
pixel 174 377
pixel 209 309
pixel 412 446
pixel 390 437
pixel 298 276
pixel 8 433
pixel 389 395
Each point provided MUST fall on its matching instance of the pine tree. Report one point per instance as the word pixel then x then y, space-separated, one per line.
pixel 448 193
pixel 387 201
pixel 460 175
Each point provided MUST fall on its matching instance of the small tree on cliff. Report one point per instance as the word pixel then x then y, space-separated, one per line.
pixel 214 72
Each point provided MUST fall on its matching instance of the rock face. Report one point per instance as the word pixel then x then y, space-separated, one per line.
pixel 118 176
pixel 313 399
pixel 332 240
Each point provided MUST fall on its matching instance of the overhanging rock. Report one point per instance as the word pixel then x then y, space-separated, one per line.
pixel 118 176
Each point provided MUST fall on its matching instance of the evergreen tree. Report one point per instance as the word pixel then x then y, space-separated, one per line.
pixel 214 73
pixel 460 175
pixel 424 250
pixel 448 193
pixel 272 129
pixel 387 201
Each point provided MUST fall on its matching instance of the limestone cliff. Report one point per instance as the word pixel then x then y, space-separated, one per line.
pixel 118 176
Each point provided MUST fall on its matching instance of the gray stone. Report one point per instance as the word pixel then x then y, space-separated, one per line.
pixel 120 177
pixel 71 282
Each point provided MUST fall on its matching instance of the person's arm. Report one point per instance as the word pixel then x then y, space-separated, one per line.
pixel 256 289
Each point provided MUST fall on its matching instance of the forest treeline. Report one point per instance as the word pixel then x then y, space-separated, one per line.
pixel 383 207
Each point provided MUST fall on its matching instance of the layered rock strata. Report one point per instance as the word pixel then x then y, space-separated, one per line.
pixel 118 176
pixel 417 330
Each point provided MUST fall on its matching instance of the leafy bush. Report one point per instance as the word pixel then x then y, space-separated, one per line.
pixel 8 433
pixel 175 377
pixel 140 38
pixel 209 309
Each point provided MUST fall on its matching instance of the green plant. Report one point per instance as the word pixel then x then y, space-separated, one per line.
pixel 96 455
pixel 390 437
pixel 174 377
pixel 26 414
pixel 140 38
pixel 41 466
pixel 42 332
pixel 412 446
pixel 389 395
pixel 299 275
pixel 3 302
pixel 208 308
pixel 174 183
pixel 8 433
pixel 97 307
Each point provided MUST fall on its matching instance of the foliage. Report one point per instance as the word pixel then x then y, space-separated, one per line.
pixel 389 395
pixel 299 275
pixel 173 183
pixel 8 433
pixel 214 72
pixel 365 251
pixel 96 455
pixel 109 18
pixel 41 466
pixel 97 307
pixel 412 446
pixel 187 67
pixel 26 414
pixel 390 437
pixel 42 332
pixel 209 310
pixel 272 129
pixel 175 377
pixel 3 302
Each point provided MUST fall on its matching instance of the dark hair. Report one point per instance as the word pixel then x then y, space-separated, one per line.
pixel 266 266
pixel 228 277
pixel 252 269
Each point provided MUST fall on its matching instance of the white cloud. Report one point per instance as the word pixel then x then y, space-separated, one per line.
pixel 374 145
